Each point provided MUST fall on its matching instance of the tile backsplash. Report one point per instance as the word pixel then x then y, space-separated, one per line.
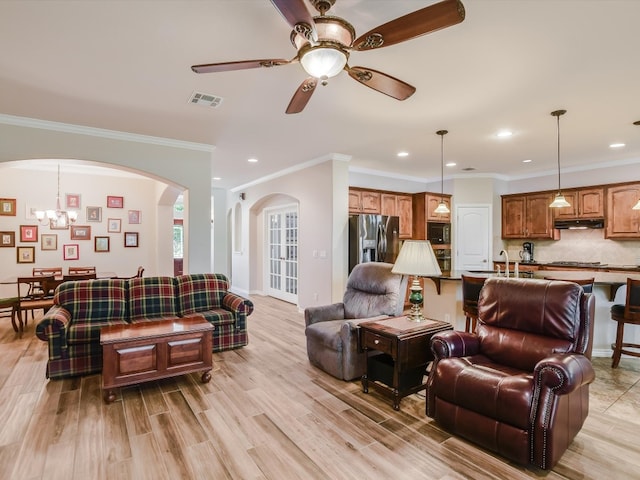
pixel 580 246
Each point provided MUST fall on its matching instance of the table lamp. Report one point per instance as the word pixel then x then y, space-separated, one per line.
pixel 416 258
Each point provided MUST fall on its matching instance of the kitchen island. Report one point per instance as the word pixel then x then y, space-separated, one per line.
pixel 443 296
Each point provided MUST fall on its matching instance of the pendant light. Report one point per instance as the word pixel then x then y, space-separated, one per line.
pixel 442 207
pixel 559 201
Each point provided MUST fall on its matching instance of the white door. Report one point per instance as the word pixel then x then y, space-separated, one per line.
pixel 282 254
pixel 473 237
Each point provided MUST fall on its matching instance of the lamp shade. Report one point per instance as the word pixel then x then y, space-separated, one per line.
pixel 636 206
pixel 416 257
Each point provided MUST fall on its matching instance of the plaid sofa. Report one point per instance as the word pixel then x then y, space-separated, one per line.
pixel 72 326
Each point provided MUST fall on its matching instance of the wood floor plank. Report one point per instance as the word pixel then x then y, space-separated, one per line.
pixel 60 460
pixel 116 435
pixel 136 413
pixel 148 463
pixel 171 446
pixel 187 421
pixel 205 462
pixel 89 458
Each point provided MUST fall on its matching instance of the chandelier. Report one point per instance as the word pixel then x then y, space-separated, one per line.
pixel 60 216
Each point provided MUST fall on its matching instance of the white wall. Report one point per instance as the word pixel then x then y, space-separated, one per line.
pixel 321 192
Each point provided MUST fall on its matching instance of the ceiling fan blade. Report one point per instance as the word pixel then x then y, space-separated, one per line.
pixel 242 65
pixel 429 19
pixel 302 95
pixel 298 17
pixel 381 82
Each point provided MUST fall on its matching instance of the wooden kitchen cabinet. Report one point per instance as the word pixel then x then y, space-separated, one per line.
pixel 423 206
pixel 622 221
pixel 400 206
pixel 363 201
pixel 585 203
pixel 528 216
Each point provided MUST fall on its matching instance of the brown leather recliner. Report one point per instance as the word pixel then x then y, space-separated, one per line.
pixel 519 386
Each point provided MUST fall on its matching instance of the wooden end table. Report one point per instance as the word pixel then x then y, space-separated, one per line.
pixel 146 351
pixel 398 352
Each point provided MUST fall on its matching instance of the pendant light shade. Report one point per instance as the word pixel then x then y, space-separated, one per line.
pixel 442 207
pixel 559 201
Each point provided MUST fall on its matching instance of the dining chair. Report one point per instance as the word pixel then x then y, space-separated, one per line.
pixel 585 283
pixel 9 309
pixel 78 277
pixel 627 314
pixel 137 275
pixel 471 287
pixel 81 270
pixel 45 271
pixel 31 299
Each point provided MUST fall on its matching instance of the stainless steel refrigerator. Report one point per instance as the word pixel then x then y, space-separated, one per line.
pixel 373 238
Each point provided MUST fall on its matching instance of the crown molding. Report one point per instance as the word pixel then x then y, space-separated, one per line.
pixel 103 133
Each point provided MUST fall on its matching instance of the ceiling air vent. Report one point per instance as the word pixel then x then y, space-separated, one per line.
pixel 205 99
pixel 468 169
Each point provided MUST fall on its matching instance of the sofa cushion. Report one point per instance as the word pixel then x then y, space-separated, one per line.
pixel 200 292
pixel 83 331
pixel 96 301
pixel 152 298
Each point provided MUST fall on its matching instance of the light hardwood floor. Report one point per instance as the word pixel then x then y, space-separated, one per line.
pixel 267 414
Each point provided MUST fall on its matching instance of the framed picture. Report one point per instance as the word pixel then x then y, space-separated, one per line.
pixel 28 233
pixel 48 241
pixel 114 225
pixel 71 252
pixel 59 223
pixel 101 244
pixel 30 212
pixel 8 207
pixel 72 201
pixel 7 239
pixel 26 254
pixel 80 232
pixel 130 239
pixel 134 217
pixel 115 202
pixel 94 214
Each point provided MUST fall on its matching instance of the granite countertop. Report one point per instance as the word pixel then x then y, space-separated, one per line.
pixel 577 265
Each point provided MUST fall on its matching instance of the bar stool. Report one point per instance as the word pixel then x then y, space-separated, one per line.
pixel 471 287
pixel 585 283
pixel 629 313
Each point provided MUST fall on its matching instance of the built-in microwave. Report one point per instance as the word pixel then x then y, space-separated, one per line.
pixel 439 233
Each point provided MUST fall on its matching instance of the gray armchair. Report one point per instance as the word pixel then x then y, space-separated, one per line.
pixel 331 330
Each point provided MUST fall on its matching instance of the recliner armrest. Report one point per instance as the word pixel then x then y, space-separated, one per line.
pixel 454 344
pixel 323 313
pixel 564 373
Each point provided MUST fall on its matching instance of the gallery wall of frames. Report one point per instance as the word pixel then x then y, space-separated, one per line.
pixel 115 228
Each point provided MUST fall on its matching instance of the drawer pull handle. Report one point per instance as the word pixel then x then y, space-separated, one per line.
pixel 376 341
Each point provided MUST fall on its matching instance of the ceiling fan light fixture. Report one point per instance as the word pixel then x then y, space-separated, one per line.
pixel 323 61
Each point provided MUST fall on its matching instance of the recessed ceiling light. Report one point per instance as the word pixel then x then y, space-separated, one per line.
pixel 528 160
pixel 403 154
pixel 450 164
pixel 616 145
pixel 504 133
pixel 253 160
pixel 217 178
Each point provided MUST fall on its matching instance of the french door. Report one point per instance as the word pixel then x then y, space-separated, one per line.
pixel 282 253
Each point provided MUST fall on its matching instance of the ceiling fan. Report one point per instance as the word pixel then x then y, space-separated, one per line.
pixel 324 43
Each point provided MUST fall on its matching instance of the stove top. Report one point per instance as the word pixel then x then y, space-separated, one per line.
pixel 578 264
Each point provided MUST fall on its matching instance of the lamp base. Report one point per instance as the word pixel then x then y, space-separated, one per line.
pixel 416 299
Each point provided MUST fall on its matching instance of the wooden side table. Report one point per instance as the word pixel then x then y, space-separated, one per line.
pixel 398 352
pixel 146 351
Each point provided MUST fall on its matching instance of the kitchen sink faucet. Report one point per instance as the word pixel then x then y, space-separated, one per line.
pixel 506 267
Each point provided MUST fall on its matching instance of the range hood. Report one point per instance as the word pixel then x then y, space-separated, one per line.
pixel 579 223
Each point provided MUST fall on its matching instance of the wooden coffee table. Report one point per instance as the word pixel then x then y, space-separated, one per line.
pixel 399 351
pixel 153 350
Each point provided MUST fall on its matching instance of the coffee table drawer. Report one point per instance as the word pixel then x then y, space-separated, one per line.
pixel 373 341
